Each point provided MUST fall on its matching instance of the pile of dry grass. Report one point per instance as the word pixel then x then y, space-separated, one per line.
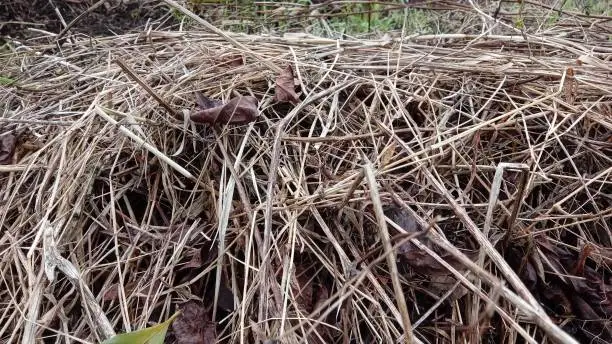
pixel 480 163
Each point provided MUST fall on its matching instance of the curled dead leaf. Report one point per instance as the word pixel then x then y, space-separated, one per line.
pixel 7 148
pixel 239 110
pixel 419 259
pixel 576 290
pixel 284 91
pixel 321 296
pixel 195 261
pixel 529 276
pixel 112 293
pixel 206 103
pixel 193 326
pixel 388 153
pixel 302 289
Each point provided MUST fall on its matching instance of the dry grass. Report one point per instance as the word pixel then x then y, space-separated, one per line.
pixel 114 210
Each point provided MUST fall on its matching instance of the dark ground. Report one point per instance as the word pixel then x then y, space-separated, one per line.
pixel 21 19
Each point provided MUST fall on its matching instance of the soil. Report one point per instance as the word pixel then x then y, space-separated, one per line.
pixel 22 19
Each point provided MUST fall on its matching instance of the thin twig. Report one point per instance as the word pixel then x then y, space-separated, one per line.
pixel 146 87
pixel 77 19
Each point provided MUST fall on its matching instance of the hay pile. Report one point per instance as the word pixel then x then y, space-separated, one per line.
pixel 481 162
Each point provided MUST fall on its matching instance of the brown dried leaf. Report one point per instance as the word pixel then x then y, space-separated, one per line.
pixel 196 260
pixel 405 220
pixel 285 88
pixel 193 326
pixel 112 293
pixel 587 297
pixel 206 103
pixel 417 258
pixel 387 155
pixel 322 332
pixel 529 276
pixel 322 296
pixel 7 148
pixel 239 110
pixel 302 289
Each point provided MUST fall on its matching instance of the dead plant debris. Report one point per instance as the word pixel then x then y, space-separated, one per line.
pixel 239 110
pixel 285 87
pixel 7 148
pixel 193 325
pixel 153 210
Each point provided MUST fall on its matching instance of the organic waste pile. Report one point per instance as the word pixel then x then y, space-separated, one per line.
pixel 426 188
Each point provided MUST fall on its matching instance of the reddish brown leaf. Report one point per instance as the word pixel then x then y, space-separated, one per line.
pixel 302 288
pixel 587 297
pixel 529 276
pixel 284 90
pixel 419 259
pixel 584 254
pixel 196 260
pixel 322 296
pixel 206 103
pixel 239 110
pixel 193 326
pixel 322 333
pixel 7 148
pixel 111 293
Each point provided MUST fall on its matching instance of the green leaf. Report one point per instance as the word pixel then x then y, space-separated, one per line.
pixel 6 81
pixel 520 24
pixel 150 335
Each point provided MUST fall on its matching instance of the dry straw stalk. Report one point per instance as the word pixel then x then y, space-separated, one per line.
pixel 283 225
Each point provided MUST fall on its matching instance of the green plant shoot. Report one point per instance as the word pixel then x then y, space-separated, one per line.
pixel 150 335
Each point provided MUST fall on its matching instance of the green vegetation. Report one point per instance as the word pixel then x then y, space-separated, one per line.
pixel 151 335
pixel 377 19
pixel 4 81
pixel 336 18
pixel 588 7
pixel 333 18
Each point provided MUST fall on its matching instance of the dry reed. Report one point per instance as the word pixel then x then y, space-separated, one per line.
pixel 115 209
